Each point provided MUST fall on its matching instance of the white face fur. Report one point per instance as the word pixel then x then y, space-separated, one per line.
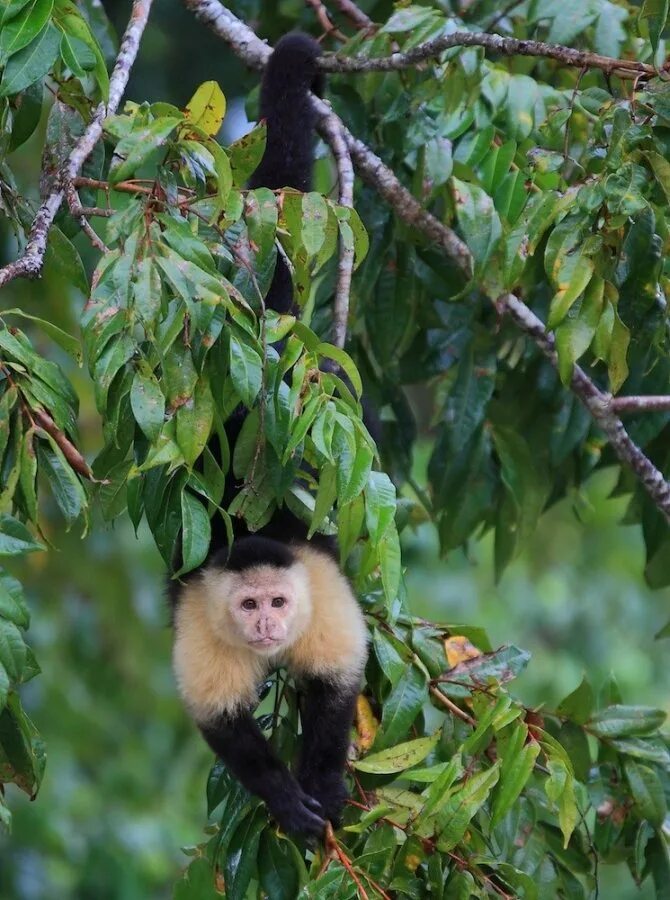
pixel 265 608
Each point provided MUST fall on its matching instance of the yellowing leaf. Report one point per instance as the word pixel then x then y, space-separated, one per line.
pixel 458 649
pixel 207 107
pixel 366 724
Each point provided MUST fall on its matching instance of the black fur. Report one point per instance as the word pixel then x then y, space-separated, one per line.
pixel 327 713
pixel 252 550
pixel 238 741
pixel 289 78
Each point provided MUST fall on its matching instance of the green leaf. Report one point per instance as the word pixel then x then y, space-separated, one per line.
pixel 656 14
pixel 22 756
pixel 65 485
pixel 569 266
pixel 207 107
pixel 197 882
pixel 246 153
pixel 624 721
pixel 246 371
pixel 560 788
pixel 240 861
pixel 196 532
pixel 576 332
pixel 389 652
pixel 617 364
pixel 32 63
pixel 115 355
pixel 579 704
pixel 194 421
pixel 647 791
pixel 459 809
pixel 11 8
pixel 148 403
pixel 28 474
pixel 64 340
pixel 27 116
pixel 517 757
pixel 77 56
pixel 402 706
pixel 76 26
pixel 653 750
pixel 134 149
pixel 281 868
pixel 390 563
pixel 12 602
pixel 21 30
pixel 478 220
pixel 12 656
pixel 380 505
pixel 522 95
pixel 15 539
pixel 398 758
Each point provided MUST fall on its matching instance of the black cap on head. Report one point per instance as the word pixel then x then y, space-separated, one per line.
pixel 252 551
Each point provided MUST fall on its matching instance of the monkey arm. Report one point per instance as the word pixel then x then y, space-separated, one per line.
pixel 238 741
pixel 327 714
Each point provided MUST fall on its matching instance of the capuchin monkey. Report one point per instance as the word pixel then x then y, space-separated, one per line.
pixel 275 598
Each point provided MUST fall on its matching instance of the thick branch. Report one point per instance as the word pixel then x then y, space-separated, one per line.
pixel 246 44
pixel 30 263
pixel 508 46
pixel 332 130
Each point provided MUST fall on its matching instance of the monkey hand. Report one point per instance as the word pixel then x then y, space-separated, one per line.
pixel 297 813
pixel 329 789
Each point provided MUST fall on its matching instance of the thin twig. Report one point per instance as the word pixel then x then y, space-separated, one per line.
pixel 80 213
pixel 632 405
pixel 451 706
pixel 496 43
pixel 331 127
pixel 29 264
pixel 362 21
pixel 75 460
pixel 324 20
pixel 334 851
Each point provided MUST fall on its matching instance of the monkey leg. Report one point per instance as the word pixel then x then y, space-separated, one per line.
pixel 327 715
pixel 238 741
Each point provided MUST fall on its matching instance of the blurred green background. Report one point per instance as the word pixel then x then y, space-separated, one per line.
pixel 124 787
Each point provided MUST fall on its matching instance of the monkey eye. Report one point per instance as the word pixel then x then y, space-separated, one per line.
pixel 278 601
pixel 250 603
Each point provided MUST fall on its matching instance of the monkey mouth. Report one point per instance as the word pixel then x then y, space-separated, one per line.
pixel 265 642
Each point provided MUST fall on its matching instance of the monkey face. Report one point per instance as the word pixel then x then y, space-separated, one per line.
pixel 265 608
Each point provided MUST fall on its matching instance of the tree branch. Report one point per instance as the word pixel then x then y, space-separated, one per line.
pixel 598 403
pixel 30 263
pixel 325 20
pixel 331 129
pixel 375 172
pixel 632 405
pixel 356 15
pixel 508 46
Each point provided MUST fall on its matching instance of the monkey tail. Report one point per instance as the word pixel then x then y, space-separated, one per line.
pixel 289 78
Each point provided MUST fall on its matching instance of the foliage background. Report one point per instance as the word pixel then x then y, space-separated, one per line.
pixel 124 783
